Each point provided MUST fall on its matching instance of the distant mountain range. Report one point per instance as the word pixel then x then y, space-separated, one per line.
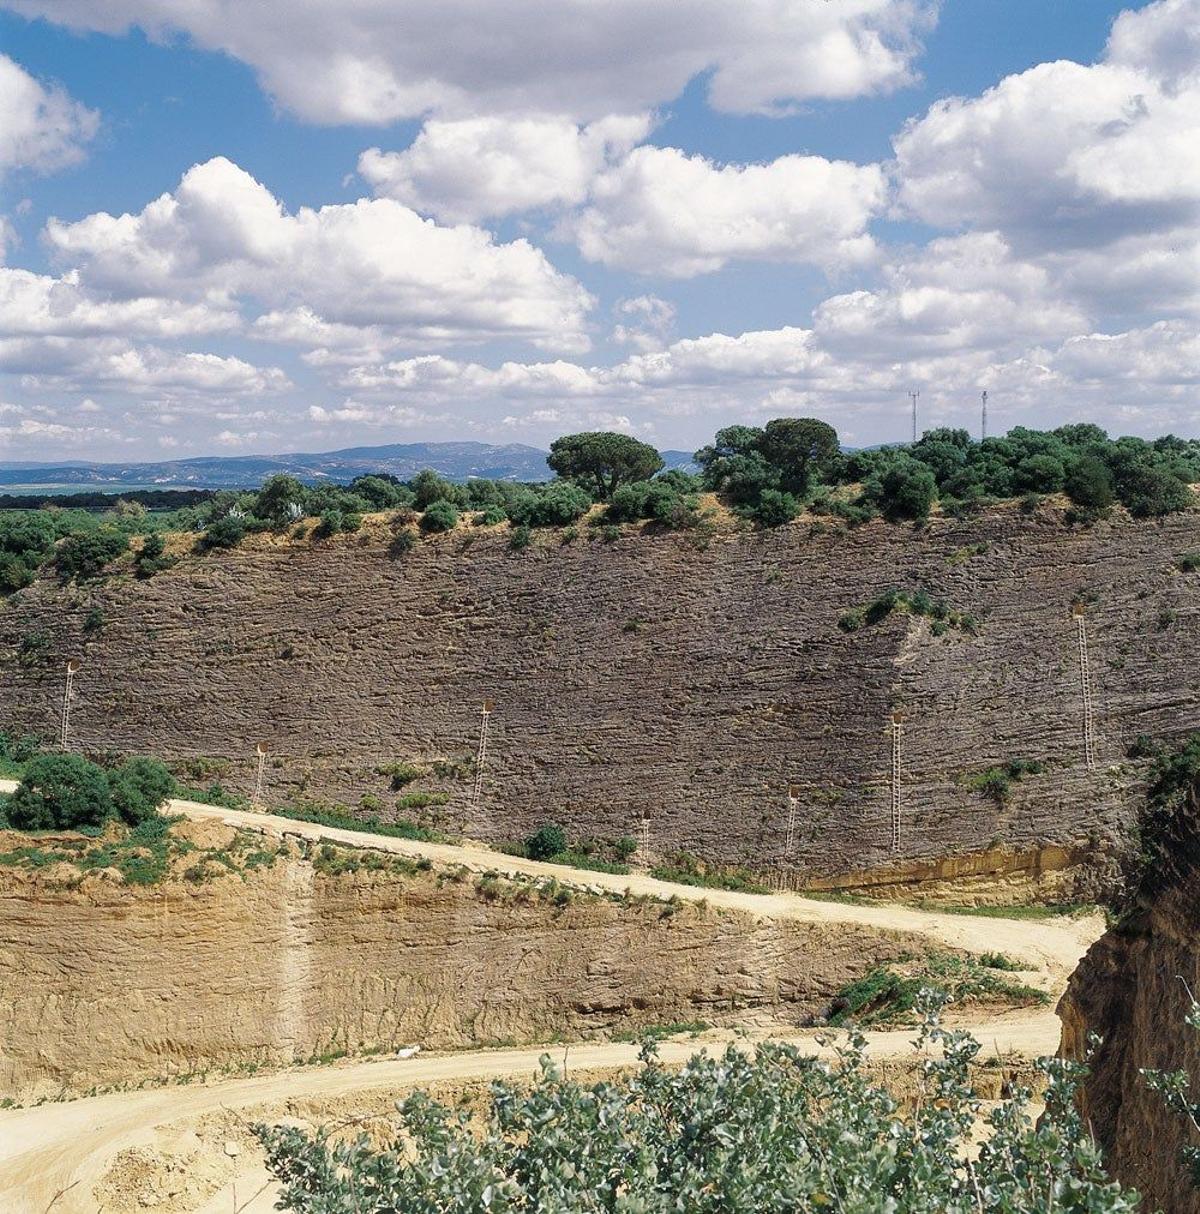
pixel 455 461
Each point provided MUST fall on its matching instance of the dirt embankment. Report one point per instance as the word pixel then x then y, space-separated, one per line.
pixel 105 983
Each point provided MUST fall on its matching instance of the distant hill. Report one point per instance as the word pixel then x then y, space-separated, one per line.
pixel 455 461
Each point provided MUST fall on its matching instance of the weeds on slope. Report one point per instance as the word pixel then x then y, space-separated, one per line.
pixel 889 994
pixel 340 818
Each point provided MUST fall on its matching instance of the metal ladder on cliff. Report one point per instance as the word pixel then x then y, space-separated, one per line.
pixel 1085 679
pixel 789 837
pixel 896 730
pixel 481 753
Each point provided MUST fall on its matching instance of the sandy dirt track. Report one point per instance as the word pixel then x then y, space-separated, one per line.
pixel 52 1156
pixel 1052 947
pixel 66 1148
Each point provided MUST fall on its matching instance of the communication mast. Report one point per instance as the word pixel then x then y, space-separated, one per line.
pixel 983 418
pixel 914 397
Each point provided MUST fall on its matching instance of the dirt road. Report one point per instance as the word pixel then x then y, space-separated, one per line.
pixel 66 1148
pixel 52 1156
pixel 1051 947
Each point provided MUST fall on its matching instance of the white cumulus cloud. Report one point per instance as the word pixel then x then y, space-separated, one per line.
pixel 41 127
pixel 373 267
pixel 375 62
pixel 1067 153
pixel 662 211
pixel 479 168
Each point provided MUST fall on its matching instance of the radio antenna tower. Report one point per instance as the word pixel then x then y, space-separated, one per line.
pixel 913 396
pixel 983 418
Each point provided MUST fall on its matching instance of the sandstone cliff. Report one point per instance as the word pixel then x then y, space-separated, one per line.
pixel 1133 990
pixel 648 678
pixel 104 983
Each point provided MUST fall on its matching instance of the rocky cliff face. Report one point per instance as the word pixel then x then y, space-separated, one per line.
pixel 1134 989
pixel 105 983
pixel 647 679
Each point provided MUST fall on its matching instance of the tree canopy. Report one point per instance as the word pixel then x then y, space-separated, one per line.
pixel 602 460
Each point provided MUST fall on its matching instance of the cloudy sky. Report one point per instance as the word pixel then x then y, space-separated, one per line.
pixel 301 224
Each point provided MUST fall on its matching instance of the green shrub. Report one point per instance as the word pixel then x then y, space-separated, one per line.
pixel 402 774
pixel 1149 490
pixel 1089 484
pixel 440 515
pixel 403 541
pixel 774 508
pixel 331 522
pixel 920 602
pixel 769 1130
pixel 85 556
pixel 997 782
pixel 628 503
pixel 428 488
pixel 60 792
pixel 904 490
pixel 546 842
pixel 226 532
pixel 560 503
pixel 521 537
pixel 151 558
pixel 1189 562
pixel 281 500
pixel 139 787
pixel 1039 474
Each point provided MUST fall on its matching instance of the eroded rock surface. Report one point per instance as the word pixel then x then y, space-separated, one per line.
pixel 649 679
pixel 104 983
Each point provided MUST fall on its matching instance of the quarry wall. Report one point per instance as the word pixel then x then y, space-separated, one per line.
pixel 103 983
pixel 1130 992
pixel 654 679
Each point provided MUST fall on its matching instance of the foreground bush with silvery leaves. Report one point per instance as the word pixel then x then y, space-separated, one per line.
pixel 770 1131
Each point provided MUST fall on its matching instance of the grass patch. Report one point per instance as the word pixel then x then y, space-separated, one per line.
pixel 660 1032
pixel 1050 910
pixel 145 855
pixel 888 994
pixel 214 794
pixel 339 861
pixel 997 782
pixel 340 818
pixel 919 602
pixel 686 869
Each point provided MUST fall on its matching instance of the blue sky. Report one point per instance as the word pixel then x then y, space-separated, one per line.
pixel 662 223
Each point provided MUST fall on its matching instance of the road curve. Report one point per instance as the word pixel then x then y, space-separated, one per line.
pixel 66 1148
pixel 51 1156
